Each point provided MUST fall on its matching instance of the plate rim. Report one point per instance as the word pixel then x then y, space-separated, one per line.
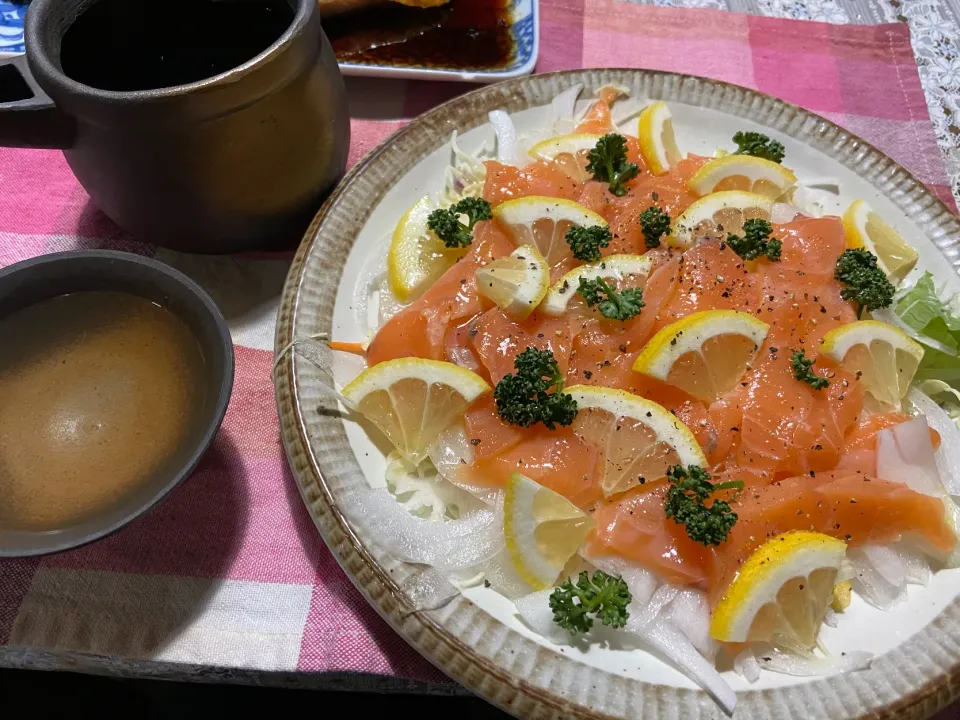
pixel 426 634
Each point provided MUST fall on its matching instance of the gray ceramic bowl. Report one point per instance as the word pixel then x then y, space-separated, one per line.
pixel 47 276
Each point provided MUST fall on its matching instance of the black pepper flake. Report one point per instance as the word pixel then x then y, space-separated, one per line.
pixel 475 441
pixel 623 348
pixel 587 374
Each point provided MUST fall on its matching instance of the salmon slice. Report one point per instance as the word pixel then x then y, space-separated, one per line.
pixel 635 527
pixel 420 329
pixel 487 433
pixel 497 340
pixel 604 351
pixel 860 446
pixel 557 459
pixel 668 192
pixel 712 277
pixel 543 177
pixel 854 508
pixel 811 245
pixel 787 427
pixel 597 121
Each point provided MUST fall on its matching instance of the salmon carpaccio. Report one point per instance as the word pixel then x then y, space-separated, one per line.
pixel 807 457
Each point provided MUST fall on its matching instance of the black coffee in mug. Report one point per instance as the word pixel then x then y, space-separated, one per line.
pixel 126 45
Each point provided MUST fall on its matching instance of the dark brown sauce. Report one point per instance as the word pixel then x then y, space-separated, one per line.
pixel 462 35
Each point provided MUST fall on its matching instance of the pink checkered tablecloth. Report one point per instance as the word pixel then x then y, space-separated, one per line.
pixel 228 578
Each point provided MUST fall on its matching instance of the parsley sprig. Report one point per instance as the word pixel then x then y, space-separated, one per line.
pixel 612 303
pixel 585 242
pixel 604 596
pixel 758 145
pixel 690 487
pixel 446 223
pixel 608 163
pixel 802 371
pixel 654 223
pixel 525 399
pixel 865 282
pixel 755 241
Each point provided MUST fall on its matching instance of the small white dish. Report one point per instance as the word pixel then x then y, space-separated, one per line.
pixel 524 31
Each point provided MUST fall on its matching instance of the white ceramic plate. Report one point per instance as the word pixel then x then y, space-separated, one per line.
pixel 477 638
pixel 524 30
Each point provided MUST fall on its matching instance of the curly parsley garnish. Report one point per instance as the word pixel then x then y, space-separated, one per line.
pixel 604 596
pixel 654 223
pixel 758 145
pixel 690 487
pixel 865 282
pixel 525 399
pixel 608 163
pixel 802 371
pixel 612 303
pixel 585 242
pixel 445 222
pixel 755 241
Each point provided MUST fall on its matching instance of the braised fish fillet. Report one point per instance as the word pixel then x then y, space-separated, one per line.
pixel 334 7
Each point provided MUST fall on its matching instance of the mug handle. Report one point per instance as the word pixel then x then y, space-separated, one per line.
pixel 28 117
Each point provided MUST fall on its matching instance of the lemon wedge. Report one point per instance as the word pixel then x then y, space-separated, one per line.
pixel 624 270
pixel 569 144
pixel 517 282
pixel 543 222
pixel 885 356
pixel 742 172
pixel 719 213
pixel 412 400
pixel 782 592
pixel 638 439
pixel 658 145
pixel 417 257
pixel 705 354
pixel 569 152
pixel 863 228
pixel 542 530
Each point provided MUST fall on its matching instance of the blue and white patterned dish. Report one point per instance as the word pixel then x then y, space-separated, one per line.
pixel 524 30
pixel 11 28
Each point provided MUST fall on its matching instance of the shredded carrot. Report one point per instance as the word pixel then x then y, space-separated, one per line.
pixel 355 348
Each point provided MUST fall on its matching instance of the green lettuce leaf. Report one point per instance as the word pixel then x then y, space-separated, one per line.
pixel 921 309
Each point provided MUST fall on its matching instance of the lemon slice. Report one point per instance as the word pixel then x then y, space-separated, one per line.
pixel 719 213
pixel 542 529
pixel 569 152
pixel 638 439
pixel 781 592
pixel 569 144
pixel 705 354
pixel 417 257
pixel 517 282
pixel 742 172
pixel 412 400
pixel 543 222
pixel 863 228
pixel 885 356
pixel 658 145
pixel 625 270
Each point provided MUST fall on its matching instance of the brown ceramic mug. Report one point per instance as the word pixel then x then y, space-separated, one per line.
pixel 238 160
